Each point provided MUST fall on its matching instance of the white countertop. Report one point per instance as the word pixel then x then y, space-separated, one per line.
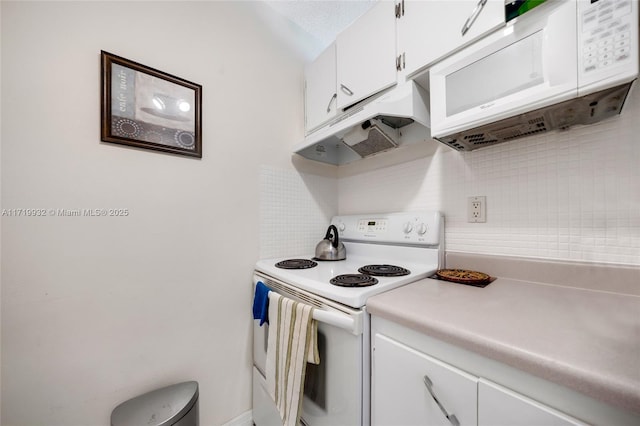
pixel 587 340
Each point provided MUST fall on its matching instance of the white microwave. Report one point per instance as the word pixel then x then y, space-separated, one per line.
pixel 565 62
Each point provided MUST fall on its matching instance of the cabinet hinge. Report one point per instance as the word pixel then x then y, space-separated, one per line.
pixel 400 9
pixel 400 62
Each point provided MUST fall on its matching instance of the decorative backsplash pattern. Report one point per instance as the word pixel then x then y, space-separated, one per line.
pixel 571 195
pixel 295 210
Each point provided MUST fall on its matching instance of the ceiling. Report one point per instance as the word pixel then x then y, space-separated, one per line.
pixel 320 20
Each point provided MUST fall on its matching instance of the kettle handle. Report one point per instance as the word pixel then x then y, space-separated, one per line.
pixel 335 240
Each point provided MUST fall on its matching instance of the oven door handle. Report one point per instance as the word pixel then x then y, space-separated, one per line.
pixel 337 320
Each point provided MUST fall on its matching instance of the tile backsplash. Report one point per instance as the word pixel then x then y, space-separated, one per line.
pixel 565 195
pixel 571 195
pixel 295 210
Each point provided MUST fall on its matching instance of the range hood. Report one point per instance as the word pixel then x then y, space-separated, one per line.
pixel 397 117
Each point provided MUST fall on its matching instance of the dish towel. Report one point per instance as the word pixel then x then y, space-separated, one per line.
pixel 261 303
pixel 292 343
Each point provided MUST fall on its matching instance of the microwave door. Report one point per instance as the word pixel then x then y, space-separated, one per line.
pixel 525 66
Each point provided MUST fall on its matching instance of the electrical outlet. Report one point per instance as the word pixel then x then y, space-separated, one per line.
pixel 477 209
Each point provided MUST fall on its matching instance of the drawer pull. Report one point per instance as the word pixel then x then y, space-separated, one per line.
pixel 451 417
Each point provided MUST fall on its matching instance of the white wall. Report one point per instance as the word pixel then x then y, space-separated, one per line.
pixel 96 310
pixel 570 195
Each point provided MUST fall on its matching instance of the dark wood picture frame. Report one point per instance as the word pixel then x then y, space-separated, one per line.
pixel 147 108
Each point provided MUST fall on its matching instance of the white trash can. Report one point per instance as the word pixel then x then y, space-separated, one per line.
pixel 175 405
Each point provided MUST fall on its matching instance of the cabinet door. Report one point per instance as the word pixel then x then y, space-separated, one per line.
pixel 320 89
pixel 412 388
pixel 500 406
pixel 366 53
pixel 432 29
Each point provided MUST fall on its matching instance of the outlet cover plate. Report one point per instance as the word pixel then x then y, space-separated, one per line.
pixel 477 209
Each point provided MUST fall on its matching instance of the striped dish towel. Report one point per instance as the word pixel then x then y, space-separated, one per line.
pixel 292 343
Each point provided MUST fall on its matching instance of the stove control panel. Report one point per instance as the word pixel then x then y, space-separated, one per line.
pixel 369 226
pixel 409 228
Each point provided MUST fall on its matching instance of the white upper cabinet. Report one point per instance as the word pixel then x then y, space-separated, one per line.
pixel 366 55
pixel 320 89
pixel 431 29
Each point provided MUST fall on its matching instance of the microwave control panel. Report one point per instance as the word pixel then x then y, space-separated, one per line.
pixel 607 41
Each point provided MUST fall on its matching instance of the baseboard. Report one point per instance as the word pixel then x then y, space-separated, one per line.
pixel 244 419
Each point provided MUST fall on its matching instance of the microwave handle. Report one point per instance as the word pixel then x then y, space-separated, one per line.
pixel 474 15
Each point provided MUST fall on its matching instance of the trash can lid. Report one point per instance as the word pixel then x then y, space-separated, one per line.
pixel 161 407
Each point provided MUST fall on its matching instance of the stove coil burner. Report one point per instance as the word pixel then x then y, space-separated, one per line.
pixel 296 264
pixel 353 280
pixel 384 270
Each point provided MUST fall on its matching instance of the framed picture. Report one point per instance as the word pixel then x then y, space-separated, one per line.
pixel 147 108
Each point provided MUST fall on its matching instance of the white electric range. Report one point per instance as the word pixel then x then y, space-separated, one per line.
pixel 384 251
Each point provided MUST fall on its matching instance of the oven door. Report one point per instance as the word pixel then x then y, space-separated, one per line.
pixel 336 390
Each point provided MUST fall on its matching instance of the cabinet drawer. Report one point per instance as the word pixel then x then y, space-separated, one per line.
pixel 401 395
pixel 498 405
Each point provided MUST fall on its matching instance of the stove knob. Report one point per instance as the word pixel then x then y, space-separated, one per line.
pixel 341 227
pixel 408 227
pixel 422 229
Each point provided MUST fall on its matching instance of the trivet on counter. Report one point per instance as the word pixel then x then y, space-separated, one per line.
pixel 464 276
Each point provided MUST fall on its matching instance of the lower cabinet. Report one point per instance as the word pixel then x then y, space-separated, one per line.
pixel 500 406
pixel 410 387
